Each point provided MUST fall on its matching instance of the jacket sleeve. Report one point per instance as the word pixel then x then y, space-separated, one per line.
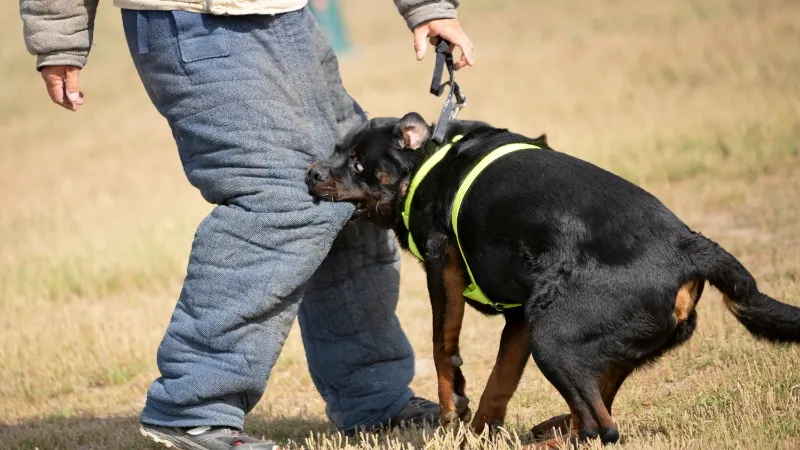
pixel 416 12
pixel 58 32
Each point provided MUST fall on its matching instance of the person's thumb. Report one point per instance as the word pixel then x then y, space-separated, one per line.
pixel 73 91
pixel 420 41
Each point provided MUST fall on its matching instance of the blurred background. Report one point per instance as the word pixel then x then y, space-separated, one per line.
pixel 698 102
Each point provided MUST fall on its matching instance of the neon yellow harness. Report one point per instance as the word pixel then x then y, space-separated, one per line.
pixel 473 291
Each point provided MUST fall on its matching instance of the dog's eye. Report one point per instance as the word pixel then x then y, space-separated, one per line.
pixel 358 167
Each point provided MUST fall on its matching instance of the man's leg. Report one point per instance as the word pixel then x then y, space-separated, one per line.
pixel 248 104
pixel 358 355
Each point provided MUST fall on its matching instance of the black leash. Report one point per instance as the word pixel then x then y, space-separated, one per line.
pixel 444 58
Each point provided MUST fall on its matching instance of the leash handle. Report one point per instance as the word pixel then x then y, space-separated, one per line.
pixel 444 58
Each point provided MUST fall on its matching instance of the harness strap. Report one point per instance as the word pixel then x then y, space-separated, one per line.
pixel 422 172
pixel 473 291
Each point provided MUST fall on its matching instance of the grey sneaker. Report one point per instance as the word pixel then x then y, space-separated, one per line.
pixel 204 438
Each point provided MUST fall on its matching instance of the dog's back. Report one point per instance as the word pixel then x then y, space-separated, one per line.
pixel 534 212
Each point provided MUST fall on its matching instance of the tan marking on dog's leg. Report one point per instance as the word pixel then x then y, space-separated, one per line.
pixel 446 345
pixel 609 384
pixel 512 356
pixel 686 300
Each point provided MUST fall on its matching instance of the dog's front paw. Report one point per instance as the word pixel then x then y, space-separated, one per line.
pixel 462 407
pixel 449 420
pixel 460 402
pixel 481 424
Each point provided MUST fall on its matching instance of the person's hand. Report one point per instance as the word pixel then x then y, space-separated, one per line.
pixel 62 86
pixel 448 29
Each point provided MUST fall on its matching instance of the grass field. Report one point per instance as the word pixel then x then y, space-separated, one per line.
pixel 698 102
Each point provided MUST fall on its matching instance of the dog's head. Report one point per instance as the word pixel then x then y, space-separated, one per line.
pixel 371 167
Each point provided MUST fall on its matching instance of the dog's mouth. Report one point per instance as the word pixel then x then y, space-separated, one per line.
pixel 372 209
pixel 368 207
pixel 331 191
pixel 331 195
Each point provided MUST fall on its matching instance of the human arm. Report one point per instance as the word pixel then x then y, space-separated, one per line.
pixel 59 33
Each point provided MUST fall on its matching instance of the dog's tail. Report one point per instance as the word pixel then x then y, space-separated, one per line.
pixel 762 315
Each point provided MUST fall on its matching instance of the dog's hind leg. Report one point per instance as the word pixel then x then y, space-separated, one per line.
pixel 610 382
pixel 608 385
pixel 555 425
pixel 579 386
pixel 685 318
pixel 588 338
pixel 567 340
pixel 511 360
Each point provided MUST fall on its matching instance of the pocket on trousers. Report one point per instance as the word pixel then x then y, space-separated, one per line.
pixel 200 36
pixel 204 45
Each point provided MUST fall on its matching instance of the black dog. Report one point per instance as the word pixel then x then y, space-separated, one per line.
pixel 607 277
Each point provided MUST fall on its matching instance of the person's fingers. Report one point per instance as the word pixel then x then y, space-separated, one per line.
pixel 420 36
pixel 72 90
pixel 449 30
pixel 465 45
pixel 61 83
pixel 458 65
pixel 54 83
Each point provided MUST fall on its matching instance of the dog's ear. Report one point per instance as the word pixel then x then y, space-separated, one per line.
pixel 412 131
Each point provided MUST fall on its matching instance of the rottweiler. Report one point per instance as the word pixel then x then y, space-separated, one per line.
pixel 594 276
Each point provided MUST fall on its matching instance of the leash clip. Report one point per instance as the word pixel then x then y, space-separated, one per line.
pixel 444 58
pixel 461 102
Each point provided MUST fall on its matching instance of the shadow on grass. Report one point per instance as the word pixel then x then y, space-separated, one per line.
pixel 121 432
pixel 87 432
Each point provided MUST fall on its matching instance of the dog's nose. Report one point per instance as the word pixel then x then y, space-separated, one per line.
pixel 318 172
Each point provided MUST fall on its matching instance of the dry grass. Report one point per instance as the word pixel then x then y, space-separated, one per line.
pixel 697 102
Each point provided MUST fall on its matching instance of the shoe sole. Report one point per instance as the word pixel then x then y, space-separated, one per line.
pixel 155 438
